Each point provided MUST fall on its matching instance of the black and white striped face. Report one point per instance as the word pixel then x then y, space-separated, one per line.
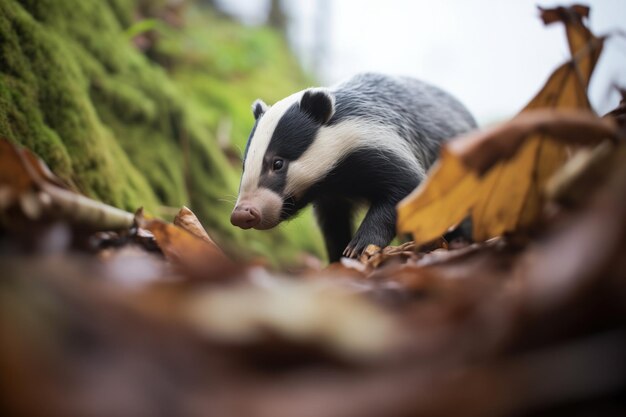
pixel 280 163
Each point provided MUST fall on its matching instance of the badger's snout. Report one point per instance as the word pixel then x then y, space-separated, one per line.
pixel 259 208
pixel 245 216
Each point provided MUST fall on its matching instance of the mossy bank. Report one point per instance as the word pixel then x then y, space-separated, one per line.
pixel 135 129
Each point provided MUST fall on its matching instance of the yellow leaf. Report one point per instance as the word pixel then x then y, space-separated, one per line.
pixel 502 194
pixel 421 212
pixel 507 194
pixel 469 175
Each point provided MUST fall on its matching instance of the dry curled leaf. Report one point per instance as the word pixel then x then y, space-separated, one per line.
pixel 195 256
pixel 369 251
pixel 468 170
pixel 572 185
pixel 187 220
pixel 498 176
pixel 26 182
pixel 377 256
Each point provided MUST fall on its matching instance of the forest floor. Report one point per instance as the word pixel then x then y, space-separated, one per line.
pixel 105 312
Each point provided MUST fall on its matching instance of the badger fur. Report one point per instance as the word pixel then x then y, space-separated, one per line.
pixel 367 140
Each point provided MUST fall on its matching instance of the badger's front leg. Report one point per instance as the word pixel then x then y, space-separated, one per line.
pixel 378 228
pixel 334 217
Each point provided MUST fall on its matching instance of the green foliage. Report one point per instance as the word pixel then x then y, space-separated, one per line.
pixel 123 129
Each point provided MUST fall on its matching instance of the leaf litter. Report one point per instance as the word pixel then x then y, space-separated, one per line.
pixel 104 312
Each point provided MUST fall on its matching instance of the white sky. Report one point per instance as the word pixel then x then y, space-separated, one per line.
pixel 494 55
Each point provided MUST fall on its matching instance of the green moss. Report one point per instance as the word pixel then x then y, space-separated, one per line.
pixel 125 130
pixel 46 103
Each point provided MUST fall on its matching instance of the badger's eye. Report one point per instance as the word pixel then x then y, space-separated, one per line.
pixel 278 164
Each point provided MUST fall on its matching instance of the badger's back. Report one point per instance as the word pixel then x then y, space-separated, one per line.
pixel 421 114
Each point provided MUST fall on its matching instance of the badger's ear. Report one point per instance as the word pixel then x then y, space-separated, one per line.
pixel 258 108
pixel 319 103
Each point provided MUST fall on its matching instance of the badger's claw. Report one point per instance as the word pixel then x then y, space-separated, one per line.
pixel 354 250
pixel 349 252
pixel 377 228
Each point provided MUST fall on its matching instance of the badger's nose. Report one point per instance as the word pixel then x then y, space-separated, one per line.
pixel 245 216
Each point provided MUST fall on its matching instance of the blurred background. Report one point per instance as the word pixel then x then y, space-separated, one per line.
pixel 147 102
pixel 492 54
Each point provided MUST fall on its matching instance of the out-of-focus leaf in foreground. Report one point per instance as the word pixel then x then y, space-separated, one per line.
pixel 28 189
pixel 192 251
pixel 487 330
pixel 318 313
pixel 186 219
pixel 507 195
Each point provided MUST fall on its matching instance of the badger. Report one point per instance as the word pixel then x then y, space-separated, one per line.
pixel 367 140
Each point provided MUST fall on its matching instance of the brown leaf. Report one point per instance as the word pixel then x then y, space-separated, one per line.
pixel 498 176
pixel 186 219
pixel 369 251
pixel 481 151
pixel 579 178
pixel 27 181
pixel 468 169
pixel 374 257
pixel 584 47
pixel 14 174
pixel 565 89
pixel 198 258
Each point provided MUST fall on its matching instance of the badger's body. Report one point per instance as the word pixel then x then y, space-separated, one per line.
pixel 367 140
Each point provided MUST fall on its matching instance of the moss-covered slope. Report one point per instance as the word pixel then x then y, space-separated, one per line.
pixel 121 128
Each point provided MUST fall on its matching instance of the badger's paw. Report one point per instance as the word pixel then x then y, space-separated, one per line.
pixel 356 247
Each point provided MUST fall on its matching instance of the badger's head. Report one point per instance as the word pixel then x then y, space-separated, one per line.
pixel 280 164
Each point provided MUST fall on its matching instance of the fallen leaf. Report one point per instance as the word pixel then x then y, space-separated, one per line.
pixel 468 170
pixel 578 179
pixel 27 182
pixel 374 257
pixel 186 219
pixel 197 257
pixel 490 175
